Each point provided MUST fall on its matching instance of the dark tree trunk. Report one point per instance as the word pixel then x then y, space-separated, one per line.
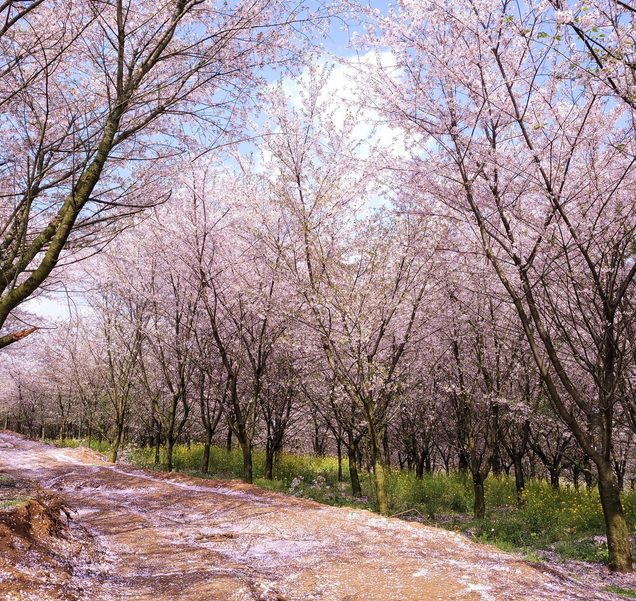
pixel 387 448
pixel 205 465
pixel 587 472
pixel 269 464
pixel 576 472
pixel 157 450
pixel 419 467
pixel 356 489
pixel 157 441
pixel 462 465
pixel 167 453
pixel 400 460
pixel 248 475
pixel 479 508
pixel 555 475
pixel 620 467
pixel 519 478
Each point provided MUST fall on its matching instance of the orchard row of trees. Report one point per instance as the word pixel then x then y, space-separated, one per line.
pixel 483 314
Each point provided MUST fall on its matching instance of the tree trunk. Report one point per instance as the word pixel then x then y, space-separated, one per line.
pixel 587 472
pixel 339 452
pixel 380 484
pixel 496 455
pixel 167 453
pixel 463 463
pixel 170 432
pixel 379 476
pixel 419 466
pixel 269 464
pixel 519 478
pixel 356 489
pixel 479 507
pixel 114 449
pixel 158 433
pixel 247 461
pixel 620 478
pixel 618 544
pixel 575 476
pixel 228 442
pixel 555 474
pixel 619 470
pixel 270 450
pixel 206 451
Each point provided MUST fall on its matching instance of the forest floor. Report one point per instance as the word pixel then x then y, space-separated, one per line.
pixel 132 534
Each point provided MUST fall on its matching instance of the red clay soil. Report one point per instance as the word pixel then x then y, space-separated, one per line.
pixel 149 536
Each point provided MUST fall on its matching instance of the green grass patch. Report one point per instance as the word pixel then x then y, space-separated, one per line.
pixel 586 549
pixel 73 443
pixel 4 503
pixel 625 592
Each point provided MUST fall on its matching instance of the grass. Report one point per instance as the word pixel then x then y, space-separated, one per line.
pixel 10 492
pixel 101 447
pixel 625 592
pixel 565 521
pixel 4 503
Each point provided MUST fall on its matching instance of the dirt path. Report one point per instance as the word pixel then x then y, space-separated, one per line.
pixel 159 537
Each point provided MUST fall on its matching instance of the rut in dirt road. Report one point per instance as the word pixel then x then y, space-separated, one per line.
pixel 170 537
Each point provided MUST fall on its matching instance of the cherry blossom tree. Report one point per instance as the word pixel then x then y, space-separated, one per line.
pixel 601 39
pixel 232 255
pixel 539 164
pixel 361 279
pixel 116 349
pixel 98 98
pixel 280 395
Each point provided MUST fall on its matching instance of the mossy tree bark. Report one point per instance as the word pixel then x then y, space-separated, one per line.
pixel 618 541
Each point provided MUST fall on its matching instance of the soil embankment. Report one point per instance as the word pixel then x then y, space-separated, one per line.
pixel 148 536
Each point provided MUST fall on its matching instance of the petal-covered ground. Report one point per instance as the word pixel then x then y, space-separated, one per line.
pixel 151 536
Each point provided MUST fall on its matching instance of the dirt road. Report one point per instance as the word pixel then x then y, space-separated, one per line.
pixel 147 536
